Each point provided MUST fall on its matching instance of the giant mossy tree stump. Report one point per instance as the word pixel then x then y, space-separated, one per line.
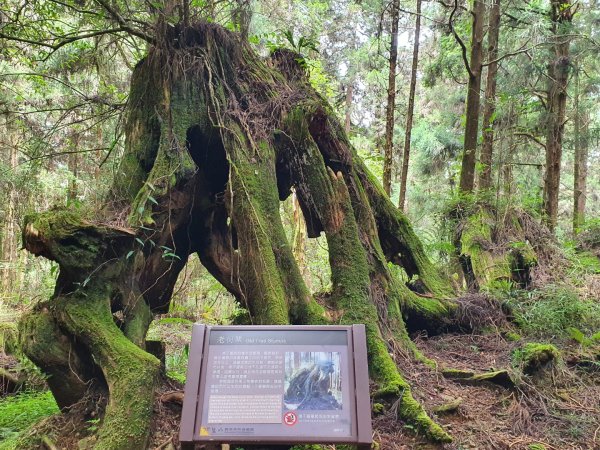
pixel 216 138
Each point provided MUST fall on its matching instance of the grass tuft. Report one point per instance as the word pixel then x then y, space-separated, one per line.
pixel 553 311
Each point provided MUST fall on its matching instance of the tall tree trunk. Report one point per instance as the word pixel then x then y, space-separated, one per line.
pixel 581 123
pixel 72 164
pixel 348 113
pixel 507 167
pixel 558 74
pixel 99 156
pixel 388 161
pixel 411 109
pixel 185 12
pixel 8 248
pixel 467 173
pixel 487 148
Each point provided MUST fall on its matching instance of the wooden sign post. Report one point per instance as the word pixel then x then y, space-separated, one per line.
pixel 277 385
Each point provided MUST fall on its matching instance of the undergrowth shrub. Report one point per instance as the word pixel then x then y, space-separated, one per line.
pixel 553 311
pixel 19 412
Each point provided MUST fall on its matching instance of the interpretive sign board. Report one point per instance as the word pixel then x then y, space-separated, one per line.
pixel 277 384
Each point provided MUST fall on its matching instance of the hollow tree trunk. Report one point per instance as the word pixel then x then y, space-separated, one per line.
pixel 215 139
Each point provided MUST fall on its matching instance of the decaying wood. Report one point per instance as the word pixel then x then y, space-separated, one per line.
pixel 215 139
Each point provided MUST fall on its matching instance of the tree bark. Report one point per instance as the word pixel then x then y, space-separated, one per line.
pixel 348 114
pixel 411 108
pixel 507 160
pixel 388 161
pixel 581 123
pixel 467 173
pixel 561 16
pixel 487 148
pixel 8 240
pixel 299 241
pixel 72 164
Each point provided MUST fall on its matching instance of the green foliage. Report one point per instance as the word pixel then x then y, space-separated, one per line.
pixel 512 336
pixel 93 425
pixel 8 338
pixel 536 447
pixel 582 260
pixel 589 234
pixel 177 362
pixel 585 341
pixel 553 311
pixel 378 408
pixel 175 320
pixel 19 412
pixel 308 447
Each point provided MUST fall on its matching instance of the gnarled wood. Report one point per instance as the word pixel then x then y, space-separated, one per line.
pixel 216 138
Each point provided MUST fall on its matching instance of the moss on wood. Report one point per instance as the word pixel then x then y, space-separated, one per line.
pixel 533 357
pixel 492 248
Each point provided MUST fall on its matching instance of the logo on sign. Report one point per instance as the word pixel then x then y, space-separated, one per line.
pixel 290 418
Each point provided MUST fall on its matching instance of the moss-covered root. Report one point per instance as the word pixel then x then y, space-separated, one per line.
pixel 62 361
pixel 130 372
pixel 393 387
pixel 428 313
pixel 137 317
pixel 351 296
pixel 273 287
pixel 397 237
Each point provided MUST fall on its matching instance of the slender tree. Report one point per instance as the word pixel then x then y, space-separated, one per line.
pixel 73 165
pixel 8 230
pixel 580 124
pixel 411 109
pixel 487 148
pixel 391 98
pixel 348 112
pixel 561 16
pixel 473 66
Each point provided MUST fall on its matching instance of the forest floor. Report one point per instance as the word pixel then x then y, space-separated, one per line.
pixel 557 408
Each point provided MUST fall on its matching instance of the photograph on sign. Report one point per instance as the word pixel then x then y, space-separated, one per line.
pixel 285 383
pixel 313 381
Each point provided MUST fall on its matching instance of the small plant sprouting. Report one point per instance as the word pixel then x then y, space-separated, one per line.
pixel 169 253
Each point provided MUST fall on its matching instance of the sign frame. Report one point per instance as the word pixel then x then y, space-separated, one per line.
pixel 358 379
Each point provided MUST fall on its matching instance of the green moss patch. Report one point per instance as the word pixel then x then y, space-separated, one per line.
pixel 448 407
pixel 498 377
pixel 19 412
pixel 532 357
